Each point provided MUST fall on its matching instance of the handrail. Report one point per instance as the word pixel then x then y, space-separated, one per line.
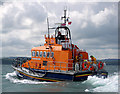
pixel 59 67
pixel 62 66
pixel 57 61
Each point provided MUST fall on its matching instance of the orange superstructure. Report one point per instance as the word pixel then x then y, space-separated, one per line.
pixel 54 56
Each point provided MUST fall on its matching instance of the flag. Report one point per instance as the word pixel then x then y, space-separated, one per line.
pixel 63 24
pixel 69 23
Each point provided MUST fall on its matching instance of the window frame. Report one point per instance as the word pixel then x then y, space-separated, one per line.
pixel 36 53
pixel 41 54
pixel 44 54
pixel 48 55
pixel 52 54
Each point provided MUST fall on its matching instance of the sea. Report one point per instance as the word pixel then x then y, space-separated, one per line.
pixel 10 82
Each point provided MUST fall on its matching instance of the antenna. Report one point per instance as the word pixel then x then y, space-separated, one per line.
pixel 48 26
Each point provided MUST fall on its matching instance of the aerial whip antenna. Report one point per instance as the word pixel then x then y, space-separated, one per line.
pixel 48 26
pixel 48 31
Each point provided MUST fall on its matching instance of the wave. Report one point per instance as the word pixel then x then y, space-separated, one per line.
pixel 13 78
pixel 109 84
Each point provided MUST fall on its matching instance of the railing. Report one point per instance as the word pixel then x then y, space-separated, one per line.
pixel 69 67
pixel 65 43
pixel 59 66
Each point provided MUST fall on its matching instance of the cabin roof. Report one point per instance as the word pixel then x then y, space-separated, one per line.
pixel 56 48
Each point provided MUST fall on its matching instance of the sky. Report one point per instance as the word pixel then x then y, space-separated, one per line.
pixel 94 26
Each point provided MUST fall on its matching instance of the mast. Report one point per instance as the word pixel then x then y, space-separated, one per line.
pixel 64 17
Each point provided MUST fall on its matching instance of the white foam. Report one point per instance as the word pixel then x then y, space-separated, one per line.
pixel 86 90
pixel 13 78
pixel 9 75
pixel 109 84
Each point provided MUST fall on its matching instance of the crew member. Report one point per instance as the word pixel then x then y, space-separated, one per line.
pixel 59 37
pixel 77 64
pixel 80 57
pixel 77 58
pixel 94 62
pixel 76 67
pixel 93 59
pixel 80 61
pixel 88 62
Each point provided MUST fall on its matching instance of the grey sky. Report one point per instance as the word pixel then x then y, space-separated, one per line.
pixel 94 26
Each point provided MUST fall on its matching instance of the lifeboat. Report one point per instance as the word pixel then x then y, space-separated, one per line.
pixel 59 59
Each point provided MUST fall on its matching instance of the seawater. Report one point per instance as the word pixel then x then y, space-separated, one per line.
pixel 10 83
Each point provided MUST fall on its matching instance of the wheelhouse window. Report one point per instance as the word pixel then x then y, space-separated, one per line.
pixel 44 54
pixel 33 53
pixel 37 53
pixel 48 54
pixel 40 53
pixel 52 54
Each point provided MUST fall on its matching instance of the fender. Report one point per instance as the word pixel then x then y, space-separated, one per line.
pixel 99 65
pixel 85 66
pixel 91 68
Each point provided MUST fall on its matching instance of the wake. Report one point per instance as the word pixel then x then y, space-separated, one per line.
pixel 109 84
pixel 13 78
